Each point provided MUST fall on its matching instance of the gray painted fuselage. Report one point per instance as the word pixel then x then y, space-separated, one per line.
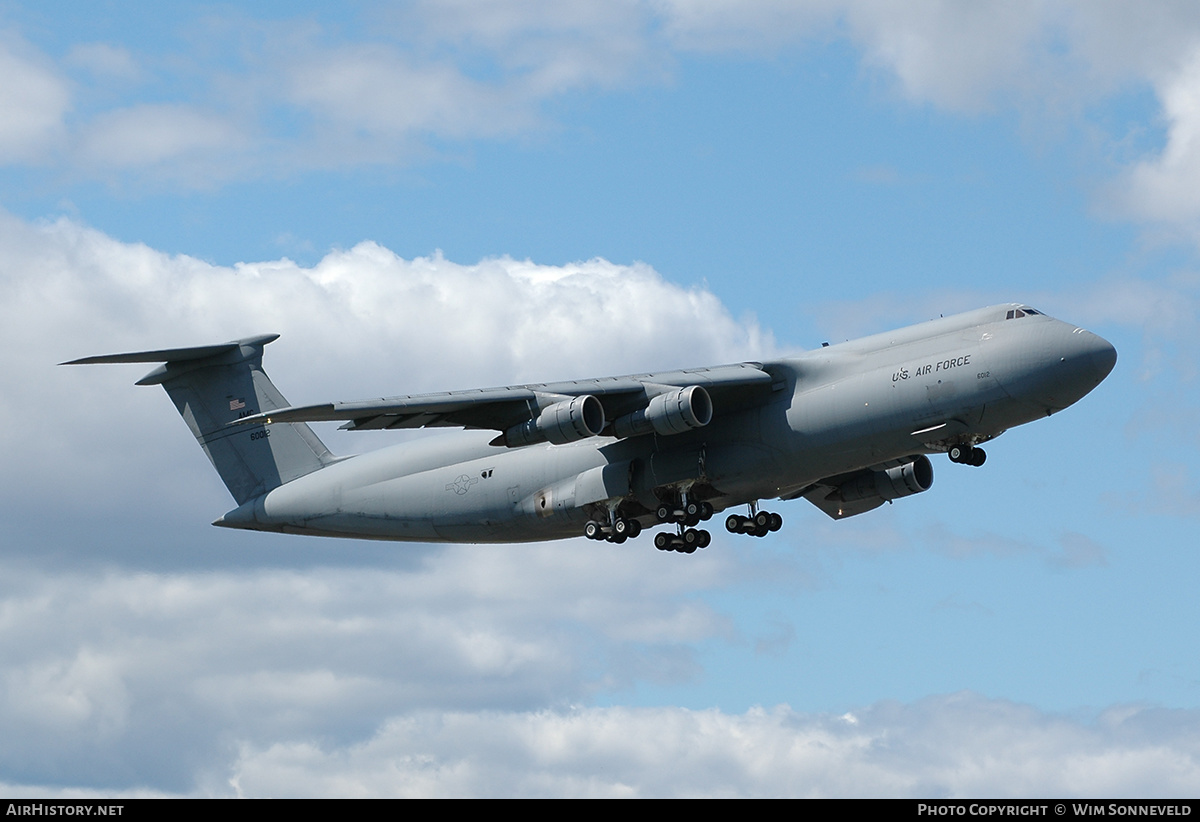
pixel 829 412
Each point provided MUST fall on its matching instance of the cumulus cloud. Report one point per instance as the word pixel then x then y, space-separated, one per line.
pixel 962 745
pixel 464 675
pixel 119 673
pixel 1163 187
pixel 362 322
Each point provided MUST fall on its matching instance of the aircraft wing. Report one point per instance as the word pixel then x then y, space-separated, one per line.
pixel 726 388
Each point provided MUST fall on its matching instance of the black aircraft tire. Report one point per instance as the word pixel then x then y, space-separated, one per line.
pixel 733 524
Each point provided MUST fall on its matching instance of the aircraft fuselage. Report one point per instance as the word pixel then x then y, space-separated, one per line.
pixel 829 422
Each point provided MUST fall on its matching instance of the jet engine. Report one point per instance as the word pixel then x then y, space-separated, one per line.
pixel 671 413
pixel 912 477
pixel 567 421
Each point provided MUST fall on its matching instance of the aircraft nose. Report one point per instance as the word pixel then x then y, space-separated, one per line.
pixel 1103 355
pixel 1084 360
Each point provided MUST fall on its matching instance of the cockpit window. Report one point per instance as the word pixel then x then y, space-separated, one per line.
pixel 1015 313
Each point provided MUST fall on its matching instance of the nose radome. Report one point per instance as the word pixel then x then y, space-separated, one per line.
pixel 1103 354
pixel 1083 359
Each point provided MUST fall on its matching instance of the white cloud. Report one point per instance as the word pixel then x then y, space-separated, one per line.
pixel 118 673
pixel 459 676
pixel 957 55
pixel 145 136
pixel 34 99
pixel 955 746
pixel 378 92
pixel 301 97
pixel 360 323
pixel 546 47
pixel 1166 188
pixel 761 27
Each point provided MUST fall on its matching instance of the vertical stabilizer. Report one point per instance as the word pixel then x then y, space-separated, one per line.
pixel 214 385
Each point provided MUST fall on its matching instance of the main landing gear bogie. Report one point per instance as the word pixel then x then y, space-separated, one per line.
pixel 620 530
pixel 690 513
pixel 759 525
pixel 967 455
pixel 685 543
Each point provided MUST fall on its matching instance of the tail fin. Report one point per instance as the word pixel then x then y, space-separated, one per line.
pixel 214 385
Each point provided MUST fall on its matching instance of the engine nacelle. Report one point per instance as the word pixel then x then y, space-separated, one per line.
pixel 671 413
pixel 902 481
pixel 567 421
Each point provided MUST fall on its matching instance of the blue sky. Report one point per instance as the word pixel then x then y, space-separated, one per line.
pixel 437 196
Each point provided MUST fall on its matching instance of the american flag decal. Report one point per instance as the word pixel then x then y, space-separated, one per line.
pixel 234 405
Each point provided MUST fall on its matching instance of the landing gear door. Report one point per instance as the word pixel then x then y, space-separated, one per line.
pixel 670 467
pixel 599 484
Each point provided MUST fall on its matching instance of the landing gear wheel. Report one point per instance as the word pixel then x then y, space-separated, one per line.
pixel 621 528
pixel 762 521
pixel 635 527
pixel 977 457
pixel 733 524
pixel 706 511
pixel 776 523
pixel 663 512
pixel 705 539
pixel 959 453
pixel 592 530
pixel 662 541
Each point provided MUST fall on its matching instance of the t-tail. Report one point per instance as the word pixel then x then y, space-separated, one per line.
pixel 214 385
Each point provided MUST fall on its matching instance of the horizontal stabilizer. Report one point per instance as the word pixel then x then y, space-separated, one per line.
pixel 198 352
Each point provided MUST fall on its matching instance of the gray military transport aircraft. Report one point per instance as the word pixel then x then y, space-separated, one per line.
pixel 847 427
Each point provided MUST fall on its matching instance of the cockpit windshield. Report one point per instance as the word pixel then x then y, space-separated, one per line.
pixel 1015 313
